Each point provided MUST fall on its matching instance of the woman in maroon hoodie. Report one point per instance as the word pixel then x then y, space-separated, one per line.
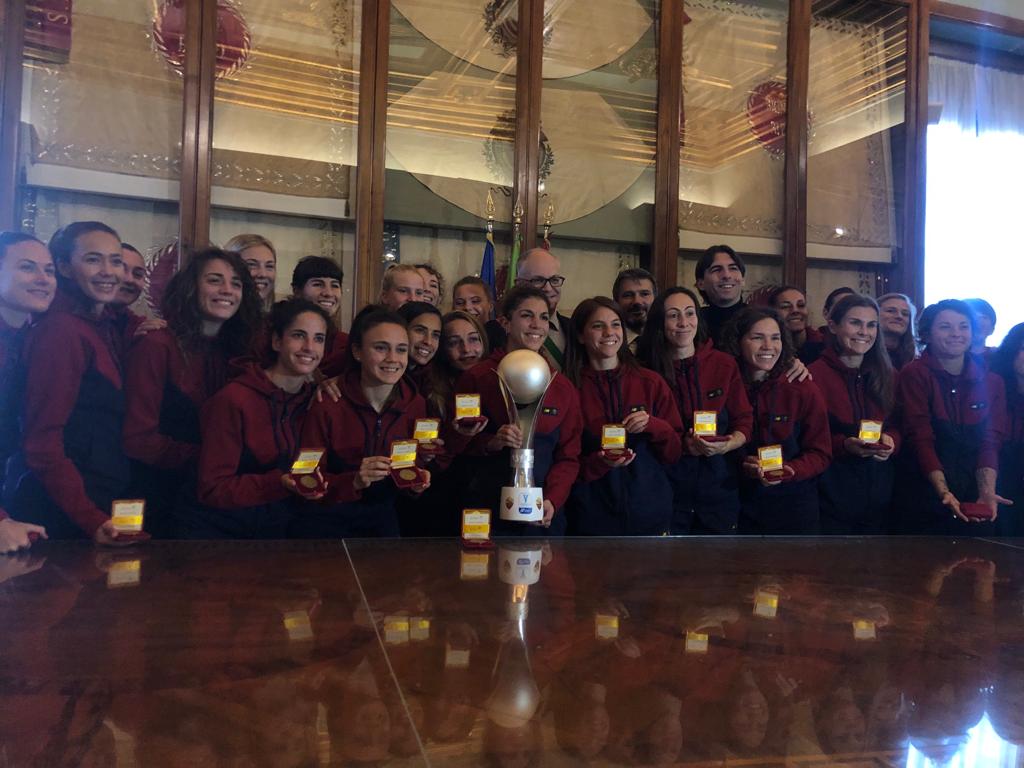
pixel 675 344
pixel 423 323
pixel 625 496
pixel 898 319
pixel 954 413
pixel 524 316
pixel 789 414
pixel 1008 363
pixel 213 313
pixel 378 405
pixel 857 380
pixel 27 286
pixel 71 466
pixel 251 432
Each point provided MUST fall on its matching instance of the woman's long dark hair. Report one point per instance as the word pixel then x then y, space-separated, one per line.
pixel 284 313
pixel 652 348
pixel 445 374
pixel 1006 354
pixel 180 306
pixel 740 326
pixel 578 358
pixel 877 367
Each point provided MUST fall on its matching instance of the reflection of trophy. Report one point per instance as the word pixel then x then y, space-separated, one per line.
pixel 524 377
pixel 515 697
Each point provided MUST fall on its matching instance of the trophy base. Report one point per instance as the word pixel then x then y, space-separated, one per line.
pixel 523 505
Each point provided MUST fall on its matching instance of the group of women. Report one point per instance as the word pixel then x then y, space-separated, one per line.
pixel 204 418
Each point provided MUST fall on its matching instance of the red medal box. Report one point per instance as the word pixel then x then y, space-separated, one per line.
pixel 467 410
pixel 305 472
pixel 974 510
pixel 404 471
pixel 426 433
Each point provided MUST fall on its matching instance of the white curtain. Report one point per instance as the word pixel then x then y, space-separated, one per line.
pixel 976 98
pixel 975 163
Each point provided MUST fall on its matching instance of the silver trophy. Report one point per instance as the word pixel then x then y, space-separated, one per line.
pixel 524 377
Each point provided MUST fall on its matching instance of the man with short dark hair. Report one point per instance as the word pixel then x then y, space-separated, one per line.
pixel 634 291
pixel 720 277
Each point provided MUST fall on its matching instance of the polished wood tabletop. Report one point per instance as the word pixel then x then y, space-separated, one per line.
pixel 750 652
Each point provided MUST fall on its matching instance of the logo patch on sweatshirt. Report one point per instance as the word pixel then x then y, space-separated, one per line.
pixel 978 406
pixel 549 411
pixel 780 417
pixel 637 408
pixel 715 393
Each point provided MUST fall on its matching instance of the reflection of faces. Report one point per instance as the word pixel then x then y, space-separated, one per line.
pixel 364 731
pixel 845 728
pixel 665 737
pixel 405 726
pixel 748 720
pixel 513 747
pixel 589 733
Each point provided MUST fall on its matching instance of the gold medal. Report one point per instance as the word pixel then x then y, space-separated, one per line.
pixel 308 481
pixel 408 474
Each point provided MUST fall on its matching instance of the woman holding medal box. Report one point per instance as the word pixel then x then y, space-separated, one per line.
pixel 954 414
pixel 790 423
pixel 858 383
pixel 251 432
pixel 71 466
pixel 620 492
pixel 213 314
pixel 377 410
pixel 711 399
pixel 524 316
pixel 28 284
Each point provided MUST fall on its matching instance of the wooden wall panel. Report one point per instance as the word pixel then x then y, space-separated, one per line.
pixel 10 108
pixel 665 253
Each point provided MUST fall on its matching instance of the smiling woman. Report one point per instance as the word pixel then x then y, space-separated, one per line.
pixel 71 465
pixel 953 410
pixel 213 315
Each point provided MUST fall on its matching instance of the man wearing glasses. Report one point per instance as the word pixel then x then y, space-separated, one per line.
pixel 540 269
